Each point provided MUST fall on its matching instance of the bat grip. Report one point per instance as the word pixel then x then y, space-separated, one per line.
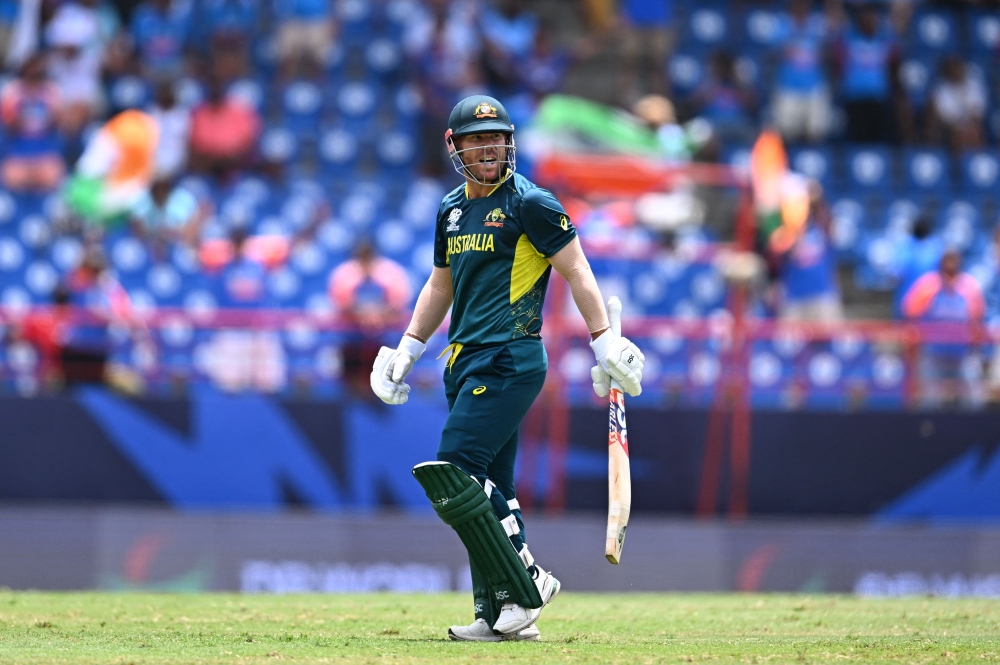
pixel 615 319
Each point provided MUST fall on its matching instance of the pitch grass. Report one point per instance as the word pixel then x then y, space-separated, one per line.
pixel 84 628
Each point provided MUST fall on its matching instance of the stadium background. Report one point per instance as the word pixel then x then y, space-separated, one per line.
pixel 230 441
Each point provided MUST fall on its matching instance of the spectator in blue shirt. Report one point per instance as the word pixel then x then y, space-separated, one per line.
pixel 919 255
pixel 647 41
pixel 868 64
pixel 801 104
pixel 509 31
pixel 808 270
pixel 727 102
pixel 228 27
pixel 305 36
pixel 160 30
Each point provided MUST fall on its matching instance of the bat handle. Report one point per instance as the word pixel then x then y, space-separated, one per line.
pixel 615 318
pixel 615 314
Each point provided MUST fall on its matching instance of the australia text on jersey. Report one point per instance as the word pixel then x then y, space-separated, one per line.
pixel 478 242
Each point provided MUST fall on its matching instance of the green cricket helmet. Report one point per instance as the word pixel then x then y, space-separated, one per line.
pixel 479 114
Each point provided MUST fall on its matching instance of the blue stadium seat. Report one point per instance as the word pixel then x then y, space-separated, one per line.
pixel 875 270
pixel 356 105
pixel 164 282
pixel 302 108
pixel 983 30
pixel 934 30
pixel 41 279
pixel 383 56
pixel 34 231
pixel 959 224
pixel 707 26
pixel 916 74
pixel 128 255
pixel 900 215
pixel 394 239
pixel 868 169
pixel 338 151
pixel 927 170
pixel 264 55
pixel 687 71
pixel 762 27
pixel 847 227
pixel 980 172
pixel 128 92
pixel 279 145
pixel 814 162
pixel 66 253
pixel 396 150
pixel 356 21
pixel 771 376
pixel 250 91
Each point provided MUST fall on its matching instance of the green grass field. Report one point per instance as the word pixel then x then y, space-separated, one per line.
pixel 83 628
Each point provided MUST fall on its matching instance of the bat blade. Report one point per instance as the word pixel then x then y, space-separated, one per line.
pixel 619 477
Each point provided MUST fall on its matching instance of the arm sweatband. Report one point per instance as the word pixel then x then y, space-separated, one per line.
pixel 571 263
pixel 432 304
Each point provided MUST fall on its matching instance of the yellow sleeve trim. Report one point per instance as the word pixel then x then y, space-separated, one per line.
pixel 529 266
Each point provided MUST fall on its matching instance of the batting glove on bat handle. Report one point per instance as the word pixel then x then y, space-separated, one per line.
pixel 392 366
pixel 621 359
pixel 602 381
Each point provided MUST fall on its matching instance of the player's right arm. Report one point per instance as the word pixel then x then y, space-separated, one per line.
pixel 432 305
pixel 392 365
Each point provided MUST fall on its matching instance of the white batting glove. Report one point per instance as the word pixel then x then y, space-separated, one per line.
pixel 392 366
pixel 602 381
pixel 621 359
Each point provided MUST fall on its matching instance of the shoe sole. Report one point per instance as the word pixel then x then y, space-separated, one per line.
pixel 485 638
pixel 516 637
pixel 556 586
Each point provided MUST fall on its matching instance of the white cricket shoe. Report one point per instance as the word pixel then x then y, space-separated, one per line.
pixel 514 618
pixel 480 631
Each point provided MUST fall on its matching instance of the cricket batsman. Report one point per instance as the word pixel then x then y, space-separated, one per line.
pixel 496 240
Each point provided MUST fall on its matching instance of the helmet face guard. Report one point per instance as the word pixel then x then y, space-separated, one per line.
pixel 507 152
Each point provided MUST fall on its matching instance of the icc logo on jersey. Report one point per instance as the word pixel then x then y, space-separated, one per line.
pixel 453 220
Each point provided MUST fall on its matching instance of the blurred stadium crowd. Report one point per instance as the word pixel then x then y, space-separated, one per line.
pixel 202 158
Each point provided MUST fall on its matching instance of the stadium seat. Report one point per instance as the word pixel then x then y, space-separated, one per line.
pixel 927 171
pixel 356 106
pixel 762 27
pixel 356 21
pixel 66 253
pixel 916 73
pixel 41 279
pixel 875 270
pixel 687 71
pixel 249 91
pixel 302 108
pixel 128 92
pixel 338 151
pixel 980 172
pixel 814 162
pixel 934 30
pixel 279 145
pixel 868 170
pixel 383 56
pixel 959 224
pixel 164 282
pixel 128 255
pixel 983 30
pixel 396 150
pixel 707 27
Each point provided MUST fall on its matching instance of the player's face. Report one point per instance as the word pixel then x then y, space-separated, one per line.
pixel 487 157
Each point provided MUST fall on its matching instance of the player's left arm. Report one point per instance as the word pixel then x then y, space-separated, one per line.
pixel 550 231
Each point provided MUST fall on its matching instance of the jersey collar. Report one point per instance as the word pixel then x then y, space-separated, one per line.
pixel 505 178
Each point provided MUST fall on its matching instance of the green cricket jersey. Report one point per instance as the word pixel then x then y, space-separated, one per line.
pixel 497 248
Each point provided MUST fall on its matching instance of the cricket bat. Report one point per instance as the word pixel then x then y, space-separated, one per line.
pixel 619 478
